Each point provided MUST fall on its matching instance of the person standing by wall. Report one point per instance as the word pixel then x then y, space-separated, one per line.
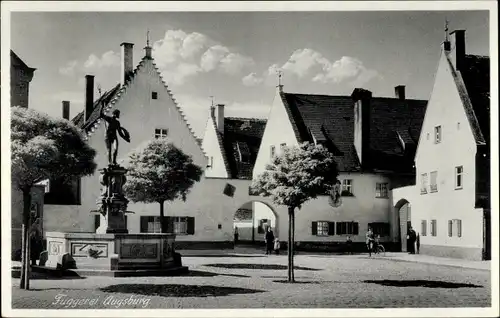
pixel 236 235
pixel 269 239
pixel 418 243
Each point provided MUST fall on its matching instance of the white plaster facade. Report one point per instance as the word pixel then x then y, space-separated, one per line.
pixel 457 148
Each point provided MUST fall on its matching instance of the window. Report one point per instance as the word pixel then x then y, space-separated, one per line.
pixel 154 95
pixel 434 186
pixel 347 228
pixel 423 183
pixel 428 135
pixel 180 225
pixel 177 225
pixel 423 230
pixel 459 177
pixel 283 145
pixel 272 151
pixel 346 187
pixel 433 228
pixel 458 126
pixel 150 224
pixel 380 228
pixel 161 133
pixel 211 165
pixel 381 190
pixel 62 191
pixel 437 134
pixel 455 228
pixel 323 228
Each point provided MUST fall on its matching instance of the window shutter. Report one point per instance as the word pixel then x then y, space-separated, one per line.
pixel 144 224
pixel 450 228
pixel 190 225
pixel 355 228
pixel 339 228
pixel 169 222
pixel 459 228
pixel 331 228
pixel 314 228
pixel 97 221
pixel 126 222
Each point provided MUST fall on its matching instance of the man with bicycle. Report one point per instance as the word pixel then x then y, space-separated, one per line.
pixel 370 240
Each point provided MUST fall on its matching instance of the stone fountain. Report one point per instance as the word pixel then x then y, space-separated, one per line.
pixel 112 250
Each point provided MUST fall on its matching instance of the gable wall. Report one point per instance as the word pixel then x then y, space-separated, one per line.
pixel 212 149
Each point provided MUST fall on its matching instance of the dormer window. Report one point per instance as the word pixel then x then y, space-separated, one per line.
pixel 154 95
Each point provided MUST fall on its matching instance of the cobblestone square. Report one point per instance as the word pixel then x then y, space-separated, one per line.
pixel 256 281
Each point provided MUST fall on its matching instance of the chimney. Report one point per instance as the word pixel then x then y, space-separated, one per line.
pixel 65 109
pixel 399 92
pixel 457 50
pixel 89 95
pixel 127 61
pixel 220 118
pixel 362 110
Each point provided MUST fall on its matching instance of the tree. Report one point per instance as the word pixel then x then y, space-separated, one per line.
pixel 43 148
pixel 297 175
pixel 160 172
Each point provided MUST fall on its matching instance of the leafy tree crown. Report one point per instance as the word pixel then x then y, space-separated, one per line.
pixel 160 172
pixel 44 148
pixel 297 175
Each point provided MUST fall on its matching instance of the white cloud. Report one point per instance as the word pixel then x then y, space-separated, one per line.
pixel 93 64
pixel 178 45
pixel 212 57
pixel 233 63
pixel 305 61
pixel 301 61
pixel 181 73
pixel 193 44
pixel 108 59
pixel 252 79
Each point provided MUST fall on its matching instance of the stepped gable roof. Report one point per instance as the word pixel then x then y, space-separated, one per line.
pixel 330 120
pixel 241 143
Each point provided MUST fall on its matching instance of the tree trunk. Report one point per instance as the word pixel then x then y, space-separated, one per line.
pixel 163 230
pixel 162 218
pixel 293 245
pixel 290 244
pixel 25 252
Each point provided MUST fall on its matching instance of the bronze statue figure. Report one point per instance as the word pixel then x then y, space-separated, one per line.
pixel 113 129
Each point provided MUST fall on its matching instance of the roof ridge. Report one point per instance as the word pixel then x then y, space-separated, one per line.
pixel 467 104
pixel 349 96
pixel 220 141
pixel 246 118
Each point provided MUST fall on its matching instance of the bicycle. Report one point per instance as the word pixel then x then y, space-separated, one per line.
pixel 375 248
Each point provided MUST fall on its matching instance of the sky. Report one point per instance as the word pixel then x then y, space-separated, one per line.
pixel 234 56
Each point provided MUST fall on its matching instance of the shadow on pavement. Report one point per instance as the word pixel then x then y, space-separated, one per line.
pixel 421 283
pixel 56 275
pixel 173 290
pixel 260 266
pixel 222 255
pixel 195 273
pixel 297 282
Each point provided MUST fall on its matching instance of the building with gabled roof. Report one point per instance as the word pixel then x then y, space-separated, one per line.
pixel 450 203
pixel 148 110
pixel 373 140
pixel 20 78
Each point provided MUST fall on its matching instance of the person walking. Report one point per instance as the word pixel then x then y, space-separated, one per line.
pixel 418 243
pixel 412 237
pixel 236 235
pixel 348 244
pixel 269 239
pixel 277 246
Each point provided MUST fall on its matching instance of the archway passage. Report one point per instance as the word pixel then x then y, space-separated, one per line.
pixel 404 216
pixel 251 221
